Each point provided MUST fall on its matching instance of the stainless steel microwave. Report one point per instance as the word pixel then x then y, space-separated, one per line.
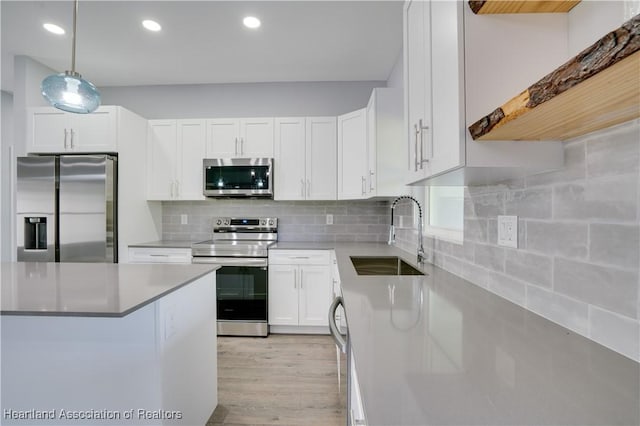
pixel 238 177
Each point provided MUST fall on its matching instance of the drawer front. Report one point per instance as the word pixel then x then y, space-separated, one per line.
pixel 299 257
pixel 159 255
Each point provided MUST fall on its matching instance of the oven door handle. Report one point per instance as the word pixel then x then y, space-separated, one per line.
pixel 230 261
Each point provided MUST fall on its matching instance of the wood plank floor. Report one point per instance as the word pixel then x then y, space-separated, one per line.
pixel 280 380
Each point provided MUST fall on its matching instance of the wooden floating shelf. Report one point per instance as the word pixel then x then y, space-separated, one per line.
pixel 486 7
pixel 598 88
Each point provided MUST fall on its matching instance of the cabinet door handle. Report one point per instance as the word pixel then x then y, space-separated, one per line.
pixel 65 138
pixel 178 188
pixel 416 161
pixel 236 146
pixel 301 278
pixel 295 278
pixel 302 188
pixel 174 189
pixel 171 189
pixel 241 146
pixel 72 133
pixel 364 185
pixel 371 174
pixel 308 188
pixel 422 159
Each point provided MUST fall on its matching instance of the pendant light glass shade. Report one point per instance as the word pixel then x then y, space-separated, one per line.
pixel 70 92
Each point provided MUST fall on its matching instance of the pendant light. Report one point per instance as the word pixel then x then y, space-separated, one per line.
pixel 68 91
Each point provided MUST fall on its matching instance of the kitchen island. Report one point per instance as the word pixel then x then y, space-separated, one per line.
pixel 434 349
pixel 108 344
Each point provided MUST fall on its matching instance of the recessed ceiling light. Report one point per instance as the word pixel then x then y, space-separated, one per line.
pixel 251 22
pixel 53 28
pixel 151 25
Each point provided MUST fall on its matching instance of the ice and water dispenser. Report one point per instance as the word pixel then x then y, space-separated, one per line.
pixel 35 233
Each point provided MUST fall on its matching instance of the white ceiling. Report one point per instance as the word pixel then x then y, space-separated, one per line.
pixel 205 42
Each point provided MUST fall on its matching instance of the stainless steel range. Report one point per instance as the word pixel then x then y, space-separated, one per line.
pixel 239 246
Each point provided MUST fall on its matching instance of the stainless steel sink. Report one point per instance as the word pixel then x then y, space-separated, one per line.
pixel 382 265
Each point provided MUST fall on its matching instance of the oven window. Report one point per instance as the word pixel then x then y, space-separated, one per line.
pixel 242 293
pixel 237 177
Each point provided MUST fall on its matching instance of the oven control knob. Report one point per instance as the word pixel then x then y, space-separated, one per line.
pixel 226 221
pixel 271 223
pixel 263 222
pixel 218 222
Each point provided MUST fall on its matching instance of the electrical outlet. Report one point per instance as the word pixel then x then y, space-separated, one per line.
pixel 184 219
pixel 329 219
pixel 508 231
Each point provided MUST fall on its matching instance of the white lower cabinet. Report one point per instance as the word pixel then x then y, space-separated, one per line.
pixel 300 288
pixel 159 255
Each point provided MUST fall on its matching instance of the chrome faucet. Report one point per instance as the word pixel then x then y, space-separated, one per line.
pixel 392 230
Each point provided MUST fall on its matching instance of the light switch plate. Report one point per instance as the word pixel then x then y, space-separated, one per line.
pixel 329 219
pixel 183 219
pixel 508 231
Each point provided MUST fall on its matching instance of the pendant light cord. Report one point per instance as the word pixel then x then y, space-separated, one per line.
pixel 73 38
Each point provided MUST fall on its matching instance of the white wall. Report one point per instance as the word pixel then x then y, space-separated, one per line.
pixel 6 110
pixel 590 20
pixel 396 77
pixel 242 100
pixel 28 74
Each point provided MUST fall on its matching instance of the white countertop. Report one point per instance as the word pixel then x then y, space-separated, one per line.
pixel 436 349
pixel 89 289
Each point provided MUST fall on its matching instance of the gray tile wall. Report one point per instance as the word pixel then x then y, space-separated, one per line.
pixel 578 259
pixel 354 221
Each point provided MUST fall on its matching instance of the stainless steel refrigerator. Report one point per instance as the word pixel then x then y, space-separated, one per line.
pixel 67 208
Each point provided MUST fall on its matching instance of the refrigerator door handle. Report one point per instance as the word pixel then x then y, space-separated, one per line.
pixel 65 138
pixel 338 339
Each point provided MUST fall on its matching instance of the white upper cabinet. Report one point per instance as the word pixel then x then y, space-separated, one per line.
pixel 417 61
pixel 305 158
pixel 321 159
pixel 223 138
pixel 385 148
pixel 450 72
pixel 240 138
pixel 175 150
pixel 191 138
pixel 256 137
pixel 446 145
pixel 289 161
pixel 161 159
pixel 352 155
pixel 50 130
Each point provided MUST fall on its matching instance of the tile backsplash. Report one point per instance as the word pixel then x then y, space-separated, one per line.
pixel 353 221
pixel 578 255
